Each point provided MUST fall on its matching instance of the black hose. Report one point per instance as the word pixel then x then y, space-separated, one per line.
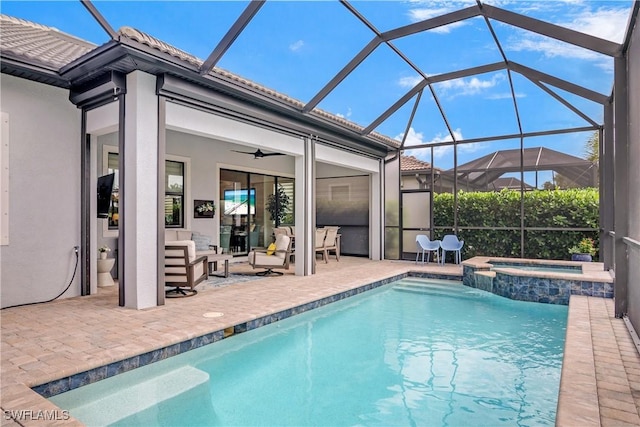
pixel 75 269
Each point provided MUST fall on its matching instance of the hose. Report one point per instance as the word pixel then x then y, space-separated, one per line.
pixel 75 269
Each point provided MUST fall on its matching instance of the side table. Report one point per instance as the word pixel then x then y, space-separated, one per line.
pixel 104 272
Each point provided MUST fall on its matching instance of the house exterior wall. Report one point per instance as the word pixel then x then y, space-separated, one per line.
pixel 44 192
pixel 633 69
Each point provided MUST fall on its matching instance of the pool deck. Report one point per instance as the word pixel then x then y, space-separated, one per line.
pixel 600 383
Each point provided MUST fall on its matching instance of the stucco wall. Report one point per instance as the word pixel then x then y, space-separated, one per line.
pixel 634 177
pixel 44 192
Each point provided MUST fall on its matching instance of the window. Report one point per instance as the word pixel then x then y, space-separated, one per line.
pixel 174 194
pixel 174 198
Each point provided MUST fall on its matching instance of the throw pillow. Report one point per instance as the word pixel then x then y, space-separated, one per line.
pixel 202 242
pixel 271 249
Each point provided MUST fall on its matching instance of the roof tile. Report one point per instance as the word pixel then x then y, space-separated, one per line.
pixel 47 45
pixel 53 48
pixel 410 163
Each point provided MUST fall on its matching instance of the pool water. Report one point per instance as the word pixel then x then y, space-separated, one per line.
pixel 549 268
pixel 415 352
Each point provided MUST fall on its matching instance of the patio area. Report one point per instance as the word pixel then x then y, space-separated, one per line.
pixel 600 382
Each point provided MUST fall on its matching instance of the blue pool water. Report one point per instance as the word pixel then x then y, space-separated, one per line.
pixel 415 352
pixel 549 268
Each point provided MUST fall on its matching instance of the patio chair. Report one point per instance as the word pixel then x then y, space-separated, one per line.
pixel 321 234
pixel 272 259
pixel 330 243
pixel 183 270
pixel 451 243
pixel 425 245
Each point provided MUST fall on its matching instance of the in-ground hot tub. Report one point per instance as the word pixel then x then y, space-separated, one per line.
pixel 546 281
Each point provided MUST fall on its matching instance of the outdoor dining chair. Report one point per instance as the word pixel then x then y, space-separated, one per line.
pixel 425 245
pixel 451 243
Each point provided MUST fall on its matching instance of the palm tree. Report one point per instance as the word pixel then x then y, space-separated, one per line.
pixel 592 148
pixel 592 152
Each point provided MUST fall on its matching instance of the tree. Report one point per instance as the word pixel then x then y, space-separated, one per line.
pixel 592 148
pixel 592 152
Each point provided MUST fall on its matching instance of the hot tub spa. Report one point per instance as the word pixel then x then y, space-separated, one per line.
pixel 545 281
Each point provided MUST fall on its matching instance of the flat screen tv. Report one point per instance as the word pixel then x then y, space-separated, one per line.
pixel 105 188
pixel 240 202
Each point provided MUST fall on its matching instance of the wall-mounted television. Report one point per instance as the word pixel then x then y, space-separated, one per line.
pixel 240 202
pixel 105 188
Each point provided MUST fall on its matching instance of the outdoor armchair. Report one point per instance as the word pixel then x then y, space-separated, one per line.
pixel 183 270
pixel 276 259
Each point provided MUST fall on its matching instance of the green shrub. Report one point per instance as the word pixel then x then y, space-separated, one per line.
pixel 573 208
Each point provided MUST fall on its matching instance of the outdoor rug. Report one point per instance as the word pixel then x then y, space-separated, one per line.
pixel 220 282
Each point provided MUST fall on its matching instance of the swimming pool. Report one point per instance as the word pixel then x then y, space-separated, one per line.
pixel 412 353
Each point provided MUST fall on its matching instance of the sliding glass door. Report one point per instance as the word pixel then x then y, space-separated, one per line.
pixel 251 208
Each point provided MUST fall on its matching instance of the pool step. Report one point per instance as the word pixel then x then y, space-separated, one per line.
pixel 124 402
pixel 452 288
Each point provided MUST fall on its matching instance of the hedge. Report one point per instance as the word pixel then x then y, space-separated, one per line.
pixel 572 208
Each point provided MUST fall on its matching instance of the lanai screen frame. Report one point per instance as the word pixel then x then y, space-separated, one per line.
pixel 614 239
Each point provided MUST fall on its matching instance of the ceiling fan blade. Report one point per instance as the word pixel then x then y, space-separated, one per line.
pixel 258 154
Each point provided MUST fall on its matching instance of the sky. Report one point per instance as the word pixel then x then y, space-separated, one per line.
pixel 296 47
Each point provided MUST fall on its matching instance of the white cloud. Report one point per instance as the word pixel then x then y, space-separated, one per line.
pixel 505 95
pixel 294 47
pixel 605 23
pixel 417 138
pixel 344 116
pixel 409 81
pixel 421 14
pixel 468 87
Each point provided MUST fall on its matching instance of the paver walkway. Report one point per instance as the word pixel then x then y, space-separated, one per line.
pixel 600 381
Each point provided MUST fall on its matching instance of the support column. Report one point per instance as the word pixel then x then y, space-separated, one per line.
pixel 306 209
pixel 376 213
pixel 139 162
pixel 305 214
pixel 607 189
pixel 621 216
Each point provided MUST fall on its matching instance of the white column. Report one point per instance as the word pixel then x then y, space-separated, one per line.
pixel 305 214
pixel 375 214
pixel 141 191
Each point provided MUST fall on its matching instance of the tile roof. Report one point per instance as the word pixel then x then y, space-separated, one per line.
pixel 140 37
pixel 54 49
pixel 410 163
pixel 45 45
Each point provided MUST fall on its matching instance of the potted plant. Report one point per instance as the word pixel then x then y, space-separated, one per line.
pixel 277 204
pixel 583 251
pixel 103 250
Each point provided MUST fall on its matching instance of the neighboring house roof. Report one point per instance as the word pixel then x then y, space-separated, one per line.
pixel 485 170
pixel 47 47
pixel 509 183
pixel 410 163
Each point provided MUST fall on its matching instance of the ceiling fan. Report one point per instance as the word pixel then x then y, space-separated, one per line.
pixel 258 154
